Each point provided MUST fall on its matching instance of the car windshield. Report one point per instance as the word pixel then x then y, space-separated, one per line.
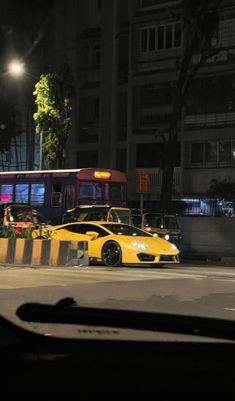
pixel 19 213
pixel 153 220
pixel 124 229
pixel 170 222
pixel 160 221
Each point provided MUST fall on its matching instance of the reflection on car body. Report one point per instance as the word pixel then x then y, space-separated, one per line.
pixel 114 244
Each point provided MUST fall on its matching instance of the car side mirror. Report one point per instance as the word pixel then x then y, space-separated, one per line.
pixel 93 234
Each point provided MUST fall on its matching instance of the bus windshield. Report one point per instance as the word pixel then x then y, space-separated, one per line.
pixel 90 191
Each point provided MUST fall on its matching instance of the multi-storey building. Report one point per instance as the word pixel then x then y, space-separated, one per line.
pixel 123 58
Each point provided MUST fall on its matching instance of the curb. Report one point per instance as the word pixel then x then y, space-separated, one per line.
pixel 42 252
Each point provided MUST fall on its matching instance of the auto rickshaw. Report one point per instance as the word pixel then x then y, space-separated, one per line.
pixel 98 213
pixel 21 216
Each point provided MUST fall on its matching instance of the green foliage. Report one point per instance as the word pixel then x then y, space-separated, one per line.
pixel 224 189
pixel 200 23
pixel 53 117
pixel 42 233
pixel 25 233
pixel 14 233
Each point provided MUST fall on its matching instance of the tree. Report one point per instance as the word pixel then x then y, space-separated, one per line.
pixel 224 189
pixel 8 125
pixel 53 117
pixel 200 23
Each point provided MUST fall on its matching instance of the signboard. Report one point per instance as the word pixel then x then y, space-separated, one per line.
pixel 143 182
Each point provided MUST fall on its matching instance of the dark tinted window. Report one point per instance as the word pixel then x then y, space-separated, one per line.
pixel 83 228
pixel 123 229
pixel 72 228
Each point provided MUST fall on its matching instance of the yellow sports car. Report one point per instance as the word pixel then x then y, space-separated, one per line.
pixel 115 244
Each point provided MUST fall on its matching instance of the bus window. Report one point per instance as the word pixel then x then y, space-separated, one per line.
pixel 69 196
pixel 90 190
pixel 22 193
pixel 56 196
pixel 6 193
pixel 37 194
pixel 114 192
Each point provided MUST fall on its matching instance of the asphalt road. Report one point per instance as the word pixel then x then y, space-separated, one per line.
pixel 202 290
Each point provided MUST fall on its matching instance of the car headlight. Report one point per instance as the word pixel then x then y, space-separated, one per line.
pixel 173 246
pixel 139 245
pixel 155 234
pixel 167 237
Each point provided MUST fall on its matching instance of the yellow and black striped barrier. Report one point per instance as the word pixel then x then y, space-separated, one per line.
pixel 42 252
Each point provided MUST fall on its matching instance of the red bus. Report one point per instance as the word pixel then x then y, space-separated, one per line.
pixel 52 192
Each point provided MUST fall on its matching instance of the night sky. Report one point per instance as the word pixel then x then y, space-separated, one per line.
pixel 22 27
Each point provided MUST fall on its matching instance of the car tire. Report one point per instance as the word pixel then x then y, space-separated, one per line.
pixel 111 254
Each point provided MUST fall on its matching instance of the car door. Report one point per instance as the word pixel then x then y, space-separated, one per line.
pixel 94 245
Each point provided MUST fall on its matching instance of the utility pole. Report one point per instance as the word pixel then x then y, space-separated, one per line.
pixel 129 97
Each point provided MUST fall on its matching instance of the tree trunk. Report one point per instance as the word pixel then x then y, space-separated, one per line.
pixel 167 187
pixel 169 163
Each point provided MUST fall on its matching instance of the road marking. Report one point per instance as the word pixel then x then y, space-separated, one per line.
pixel 230 309
pixel 69 277
pixel 223 279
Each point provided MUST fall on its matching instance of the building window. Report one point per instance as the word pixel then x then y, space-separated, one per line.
pixel 96 109
pixel 144 40
pixel 161 37
pixel 149 3
pixel 178 34
pixel 97 55
pixel 152 34
pixel 156 3
pixel 225 152
pixel 211 153
pixel 87 158
pixel 153 96
pixel 169 36
pixel 197 153
pixel 121 159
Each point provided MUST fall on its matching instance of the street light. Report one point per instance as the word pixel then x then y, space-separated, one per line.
pixel 16 68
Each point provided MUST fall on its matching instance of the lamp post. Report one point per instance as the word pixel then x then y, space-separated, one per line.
pixel 16 69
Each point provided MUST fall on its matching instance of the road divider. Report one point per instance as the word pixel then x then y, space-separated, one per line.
pixel 42 252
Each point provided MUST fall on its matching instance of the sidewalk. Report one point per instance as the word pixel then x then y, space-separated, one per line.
pixel 208 260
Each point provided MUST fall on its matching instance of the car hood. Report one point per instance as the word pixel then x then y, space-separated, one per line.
pixel 153 243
